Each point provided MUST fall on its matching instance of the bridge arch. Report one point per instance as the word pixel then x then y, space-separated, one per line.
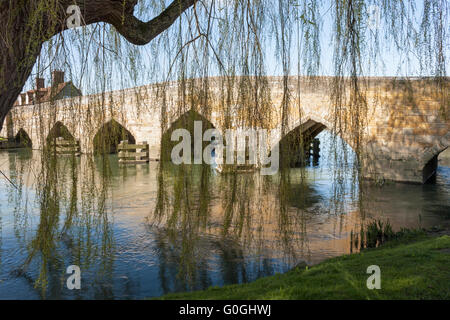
pixel 293 145
pixel 59 130
pixel 22 139
pixel 298 136
pixel 109 136
pixel 185 121
pixel 429 159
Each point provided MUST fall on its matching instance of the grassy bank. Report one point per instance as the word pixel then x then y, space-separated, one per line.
pixel 416 266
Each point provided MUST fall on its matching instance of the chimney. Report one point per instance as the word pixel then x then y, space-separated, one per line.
pixel 57 77
pixel 29 98
pixel 40 83
pixel 22 99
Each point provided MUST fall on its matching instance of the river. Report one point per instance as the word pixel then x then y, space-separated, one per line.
pixel 146 230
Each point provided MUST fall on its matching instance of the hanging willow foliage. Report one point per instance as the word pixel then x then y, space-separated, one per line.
pixel 216 52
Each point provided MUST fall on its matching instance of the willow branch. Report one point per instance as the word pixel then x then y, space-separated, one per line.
pixel 141 33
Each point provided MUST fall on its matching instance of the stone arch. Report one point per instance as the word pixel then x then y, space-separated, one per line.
pixel 59 130
pixel 22 139
pixel 299 136
pixel 429 160
pixel 185 121
pixel 109 136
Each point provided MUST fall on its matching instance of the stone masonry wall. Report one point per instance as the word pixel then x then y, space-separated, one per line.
pixel 406 122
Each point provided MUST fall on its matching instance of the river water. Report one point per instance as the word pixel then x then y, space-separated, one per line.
pixel 146 230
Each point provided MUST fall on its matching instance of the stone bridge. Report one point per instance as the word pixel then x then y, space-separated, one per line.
pixel 406 121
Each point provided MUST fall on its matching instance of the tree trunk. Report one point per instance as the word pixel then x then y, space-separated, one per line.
pixel 19 49
pixel 14 77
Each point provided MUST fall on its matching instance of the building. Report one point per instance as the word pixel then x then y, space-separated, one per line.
pixel 59 89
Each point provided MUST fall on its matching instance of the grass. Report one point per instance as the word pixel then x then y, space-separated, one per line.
pixel 413 266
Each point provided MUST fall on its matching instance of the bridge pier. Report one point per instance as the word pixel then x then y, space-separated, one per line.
pixel 399 170
pixel 402 164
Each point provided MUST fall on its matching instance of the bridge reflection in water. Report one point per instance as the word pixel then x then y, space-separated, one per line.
pixel 142 231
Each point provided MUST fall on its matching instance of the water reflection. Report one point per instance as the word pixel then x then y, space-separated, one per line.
pixel 145 230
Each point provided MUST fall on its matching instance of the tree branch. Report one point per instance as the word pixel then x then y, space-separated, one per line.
pixel 140 33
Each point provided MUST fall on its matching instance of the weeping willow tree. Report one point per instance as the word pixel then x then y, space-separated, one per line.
pixel 224 37
pixel 218 54
pixel 240 41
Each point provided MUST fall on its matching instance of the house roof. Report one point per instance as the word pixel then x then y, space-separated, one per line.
pixel 49 93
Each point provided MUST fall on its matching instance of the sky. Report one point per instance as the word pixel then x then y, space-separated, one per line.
pixel 153 67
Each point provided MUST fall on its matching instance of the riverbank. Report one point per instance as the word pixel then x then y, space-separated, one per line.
pixel 414 266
